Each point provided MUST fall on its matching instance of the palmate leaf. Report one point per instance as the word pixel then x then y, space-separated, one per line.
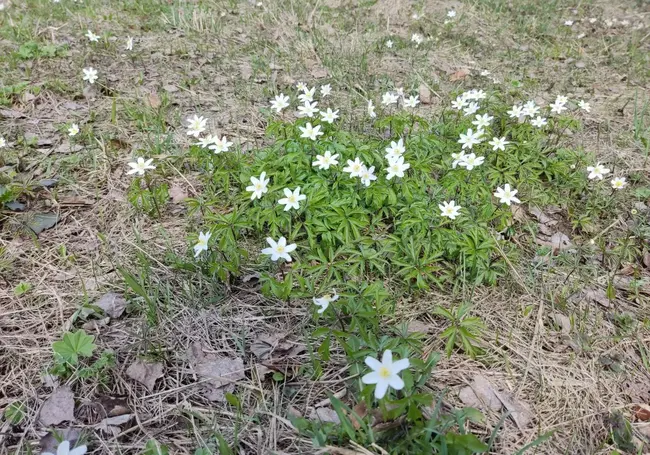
pixel 73 345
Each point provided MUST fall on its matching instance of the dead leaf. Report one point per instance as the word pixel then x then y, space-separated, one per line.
pixel 425 94
pixel 110 425
pixel 518 213
pixel 265 344
pixel 596 295
pixel 66 148
pixel 417 326
pixel 170 88
pixel 59 407
pixel 541 216
pixel 480 394
pixel 324 415
pixel 519 411
pixel 75 200
pixel 223 372
pixel 145 373
pixel 458 75
pixel 563 322
pixel 113 406
pixel 646 259
pixel 642 412
pixel 11 113
pixel 245 70
pixel 112 303
pixel 318 73
pixel 177 193
pixel 96 324
pixel 153 100
pixel 560 241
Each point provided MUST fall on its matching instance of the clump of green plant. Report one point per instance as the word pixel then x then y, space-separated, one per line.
pixel 71 349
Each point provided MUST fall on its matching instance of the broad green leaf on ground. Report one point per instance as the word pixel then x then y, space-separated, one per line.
pixel 74 345
pixel 153 447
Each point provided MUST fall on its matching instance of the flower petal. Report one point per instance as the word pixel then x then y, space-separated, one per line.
pixel 396 382
pixel 373 363
pixel 400 365
pixel 387 359
pixel 370 378
pixel 381 389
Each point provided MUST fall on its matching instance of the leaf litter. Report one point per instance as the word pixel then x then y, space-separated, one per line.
pixel 145 373
pixel 58 408
pixel 222 372
pixel 112 303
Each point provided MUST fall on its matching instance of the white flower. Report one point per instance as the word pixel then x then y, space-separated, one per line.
pixel 3 142
pixel 451 13
pixel 498 143
pixel 367 175
pixel 389 98
pixel 90 75
pixel 326 160
pixel 458 158
pixel 259 186
pixel 202 244
pixel 618 183
pixel 396 168
pixel 530 109
pixel 325 90
pixel 584 106
pixel 449 209
pixel 140 166
pixel 279 250
pixel 220 145
pixel 301 86
pixel 506 195
pixel 516 111
pixel 597 171
pixel 324 302
pixel 310 132
pixel 568 23
pixel 539 122
pixel 460 103
pixel 417 39
pixel 557 108
pixel 561 99
pixel 593 20
pixel 470 138
pixel 476 94
pixel 73 130
pixel 412 101
pixel 485 73
pixel 64 449
pixel 471 161
pixel 354 167
pixel 308 109
pixel 385 373
pixel 371 110
pixel 471 108
pixel 482 121
pixel 395 150
pixel 129 43
pixel 280 102
pixel 292 199
pixel 400 91
pixel 92 37
pixel 389 44
pixel 307 95
pixel 207 141
pixel 196 125
pixel 329 116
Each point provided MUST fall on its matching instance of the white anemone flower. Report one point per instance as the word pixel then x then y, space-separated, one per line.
pixel 385 373
pixel 279 250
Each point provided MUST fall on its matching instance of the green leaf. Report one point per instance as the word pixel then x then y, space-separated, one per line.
pixel 15 412
pixel 153 447
pixel 74 345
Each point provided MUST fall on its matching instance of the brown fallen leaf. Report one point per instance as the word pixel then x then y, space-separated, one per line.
pixel 425 94
pixel 112 406
pixel 318 73
pixel 112 303
pixel 641 412
pixel 58 408
pixel 563 322
pixel 177 193
pixel 324 415
pixel 223 372
pixel 518 213
pixel 596 295
pixel 110 425
pixel 153 100
pixel 267 345
pixel 145 373
pixel 519 411
pixel 646 259
pixel 245 70
pixel 458 75
pixel 418 326
pixel 480 394
pixel 541 216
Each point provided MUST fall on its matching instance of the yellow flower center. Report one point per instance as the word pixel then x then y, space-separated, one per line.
pixel 280 249
pixel 258 186
pixel 384 373
pixel 292 199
